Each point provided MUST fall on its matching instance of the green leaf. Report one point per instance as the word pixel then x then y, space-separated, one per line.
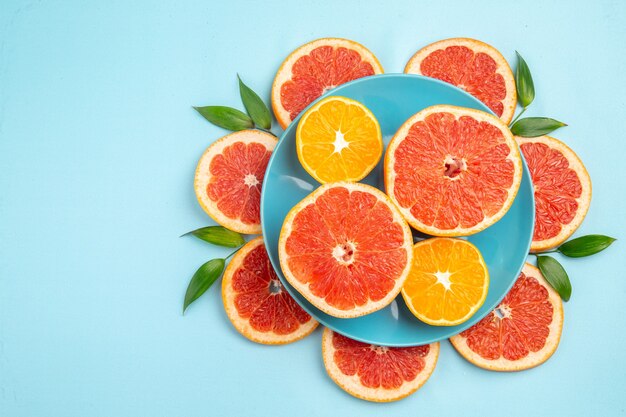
pixel 202 280
pixel 585 245
pixel 218 235
pixel 255 107
pixel 524 82
pixel 556 276
pixel 226 117
pixel 531 127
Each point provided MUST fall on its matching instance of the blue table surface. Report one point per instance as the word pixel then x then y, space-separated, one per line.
pixel 98 145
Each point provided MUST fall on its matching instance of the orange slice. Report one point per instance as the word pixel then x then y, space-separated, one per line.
pixel 256 302
pixel 448 281
pixel 453 171
pixel 473 66
pixel 562 190
pixel 377 373
pixel 338 139
pixel 229 177
pixel 521 333
pixel 346 248
pixel 315 68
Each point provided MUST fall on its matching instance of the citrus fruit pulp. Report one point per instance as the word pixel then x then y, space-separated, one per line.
pixel 452 171
pixel 377 373
pixel 229 176
pixel 448 281
pixel 473 66
pixel 522 332
pixel 256 302
pixel 346 249
pixel 562 190
pixel 338 139
pixel 315 68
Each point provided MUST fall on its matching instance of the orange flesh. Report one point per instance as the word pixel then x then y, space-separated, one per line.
pixel 262 299
pixel 452 172
pixel 348 247
pixel 378 366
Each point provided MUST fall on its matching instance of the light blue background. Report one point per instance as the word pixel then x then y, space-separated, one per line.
pixel 98 144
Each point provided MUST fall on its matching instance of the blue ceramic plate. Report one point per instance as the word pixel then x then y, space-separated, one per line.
pixel 393 98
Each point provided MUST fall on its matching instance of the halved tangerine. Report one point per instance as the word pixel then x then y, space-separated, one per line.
pixel 346 248
pixel 229 177
pixel 452 171
pixel 521 333
pixel 377 373
pixel 315 68
pixel 256 302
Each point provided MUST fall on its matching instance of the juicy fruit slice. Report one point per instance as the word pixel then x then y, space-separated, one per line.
pixel 256 302
pixel 562 190
pixel 338 139
pixel 229 177
pixel 315 68
pixel 521 333
pixel 377 373
pixel 452 171
pixel 473 66
pixel 346 249
pixel 448 281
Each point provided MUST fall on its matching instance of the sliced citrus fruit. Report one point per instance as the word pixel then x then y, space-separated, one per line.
pixel 377 373
pixel 452 171
pixel 448 281
pixel 229 177
pixel 338 139
pixel 521 333
pixel 473 66
pixel 562 190
pixel 315 68
pixel 346 248
pixel 256 302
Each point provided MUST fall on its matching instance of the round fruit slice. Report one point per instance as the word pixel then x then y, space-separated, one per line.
pixel 473 66
pixel 229 177
pixel 346 248
pixel 521 333
pixel 338 139
pixel 315 68
pixel 562 190
pixel 448 281
pixel 452 171
pixel 377 373
pixel 256 302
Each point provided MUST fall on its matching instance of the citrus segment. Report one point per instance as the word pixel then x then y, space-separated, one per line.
pixel 448 281
pixel 229 177
pixel 315 68
pixel 562 190
pixel 338 139
pixel 256 302
pixel 346 248
pixel 522 332
pixel 377 373
pixel 452 171
pixel 473 66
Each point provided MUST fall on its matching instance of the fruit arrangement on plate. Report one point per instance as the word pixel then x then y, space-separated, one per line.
pixel 396 210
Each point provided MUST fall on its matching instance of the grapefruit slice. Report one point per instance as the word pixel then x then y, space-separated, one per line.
pixel 338 139
pixel 315 68
pixel 562 190
pixel 256 302
pixel 377 373
pixel 448 281
pixel 452 171
pixel 521 333
pixel 229 177
pixel 346 249
pixel 473 66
